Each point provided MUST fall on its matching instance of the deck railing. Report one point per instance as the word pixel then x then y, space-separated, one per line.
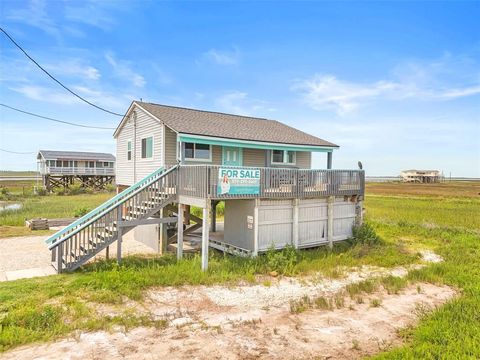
pixel 202 181
pixel 58 170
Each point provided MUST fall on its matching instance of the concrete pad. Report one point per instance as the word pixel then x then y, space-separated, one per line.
pixel 29 273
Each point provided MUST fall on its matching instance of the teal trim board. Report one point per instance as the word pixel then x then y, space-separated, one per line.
pixel 252 144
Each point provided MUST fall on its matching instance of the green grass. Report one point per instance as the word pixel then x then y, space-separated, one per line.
pixel 451 227
pixel 50 307
pixel 50 206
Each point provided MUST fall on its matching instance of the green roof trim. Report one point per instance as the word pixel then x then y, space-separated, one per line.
pixel 251 144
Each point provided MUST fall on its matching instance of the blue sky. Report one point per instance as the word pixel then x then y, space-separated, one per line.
pixel 396 85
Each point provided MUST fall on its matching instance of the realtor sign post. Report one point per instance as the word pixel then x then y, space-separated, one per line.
pixel 238 181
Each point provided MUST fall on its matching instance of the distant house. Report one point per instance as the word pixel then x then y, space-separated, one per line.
pixel 63 168
pixel 421 176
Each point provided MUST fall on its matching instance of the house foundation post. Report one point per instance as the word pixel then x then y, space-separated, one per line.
pixel 329 160
pixel 180 231
pixel 205 237
pixel 213 224
pixel 330 205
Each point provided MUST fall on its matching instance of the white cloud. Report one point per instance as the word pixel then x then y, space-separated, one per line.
pixel 441 80
pixel 327 92
pixel 233 102
pixel 36 15
pixel 46 94
pixel 74 67
pixel 223 57
pixel 123 70
pixel 238 102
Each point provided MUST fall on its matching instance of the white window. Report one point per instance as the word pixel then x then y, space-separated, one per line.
pixel 147 147
pixel 129 150
pixel 283 157
pixel 200 152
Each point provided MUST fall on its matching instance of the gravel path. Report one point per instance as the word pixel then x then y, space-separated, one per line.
pixel 28 256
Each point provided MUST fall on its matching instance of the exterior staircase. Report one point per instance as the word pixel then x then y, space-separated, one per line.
pixel 76 244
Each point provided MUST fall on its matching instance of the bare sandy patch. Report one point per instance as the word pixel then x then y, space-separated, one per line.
pixel 349 332
pixel 255 321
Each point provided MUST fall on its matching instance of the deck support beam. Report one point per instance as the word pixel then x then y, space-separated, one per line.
pixel 329 160
pixel 330 205
pixel 180 232
pixel 213 224
pixel 162 232
pixel 205 238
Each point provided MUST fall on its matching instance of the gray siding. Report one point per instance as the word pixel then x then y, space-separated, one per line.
pixel 304 159
pixel 145 126
pixel 236 229
pixel 254 157
pixel 170 147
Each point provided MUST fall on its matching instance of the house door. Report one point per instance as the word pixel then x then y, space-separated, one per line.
pixel 232 156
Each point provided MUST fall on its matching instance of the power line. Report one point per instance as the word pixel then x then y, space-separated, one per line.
pixel 17 152
pixel 54 79
pixel 56 120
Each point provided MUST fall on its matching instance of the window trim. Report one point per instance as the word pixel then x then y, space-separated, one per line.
pixel 194 159
pixel 129 141
pixel 153 148
pixel 285 157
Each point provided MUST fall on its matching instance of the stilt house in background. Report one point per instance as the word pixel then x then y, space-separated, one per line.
pixel 170 158
pixel 63 168
pixel 421 176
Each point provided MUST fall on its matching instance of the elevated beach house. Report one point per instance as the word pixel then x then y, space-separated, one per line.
pixel 62 168
pixel 170 158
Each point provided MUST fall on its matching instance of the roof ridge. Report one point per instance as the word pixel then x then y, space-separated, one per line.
pixel 206 111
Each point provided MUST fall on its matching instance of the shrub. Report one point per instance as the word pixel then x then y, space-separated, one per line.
pixel 365 234
pixel 110 188
pixel 59 191
pixel 80 211
pixel 4 193
pixel 41 191
pixel 283 261
pixel 75 190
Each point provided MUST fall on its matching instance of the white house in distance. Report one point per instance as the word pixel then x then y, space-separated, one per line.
pixel 421 176
pixel 62 168
pixel 171 158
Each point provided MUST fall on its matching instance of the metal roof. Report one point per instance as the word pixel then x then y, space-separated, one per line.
pixel 74 155
pixel 221 125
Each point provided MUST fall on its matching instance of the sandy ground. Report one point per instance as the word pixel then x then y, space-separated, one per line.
pixel 28 256
pixel 254 322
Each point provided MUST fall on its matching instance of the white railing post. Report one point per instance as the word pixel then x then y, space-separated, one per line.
pixel 180 231
pixel 119 233
pixel 205 238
